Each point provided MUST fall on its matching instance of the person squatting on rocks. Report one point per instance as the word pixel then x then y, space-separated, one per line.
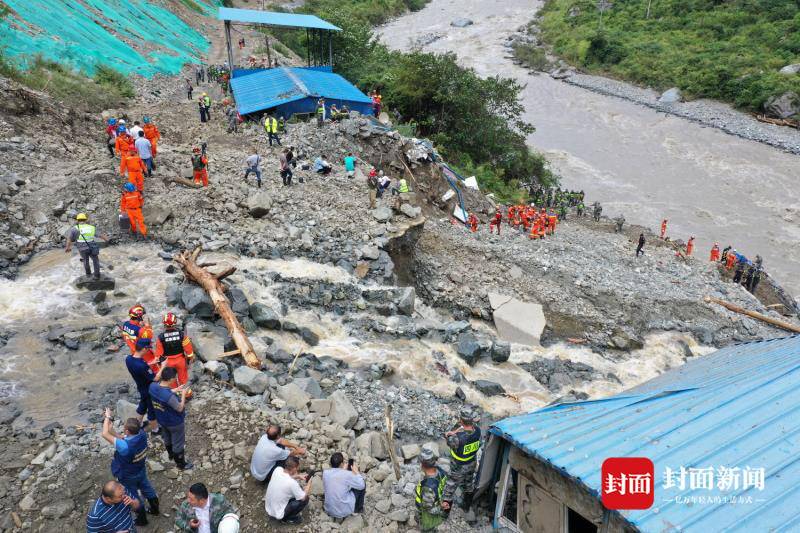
pixel 285 499
pixel 640 246
pixel 253 164
pixel 464 443
pixel 271 129
pixel 344 488
pixel 175 350
pixel 83 235
pixel 129 465
pixel 285 169
pixel 322 166
pixel 143 374
pixel 171 413
pixel 111 512
pixel 429 492
pixel 130 205
pixel 199 166
pixel 271 452
pixel 203 512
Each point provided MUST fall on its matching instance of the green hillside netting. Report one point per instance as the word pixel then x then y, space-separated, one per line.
pixel 85 33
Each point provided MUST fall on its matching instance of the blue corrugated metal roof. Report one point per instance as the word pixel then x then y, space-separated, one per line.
pixel 738 407
pixel 274 87
pixel 286 20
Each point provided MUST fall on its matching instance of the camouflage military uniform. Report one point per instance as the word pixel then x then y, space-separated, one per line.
pixel 464 445
pixel 429 500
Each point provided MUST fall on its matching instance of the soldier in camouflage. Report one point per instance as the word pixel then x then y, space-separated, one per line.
pixel 464 443
pixel 429 492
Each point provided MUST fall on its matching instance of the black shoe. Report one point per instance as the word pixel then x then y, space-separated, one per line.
pixel 466 501
pixel 169 453
pixel 180 462
pixel 153 504
pixel 294 520
pixel 141 517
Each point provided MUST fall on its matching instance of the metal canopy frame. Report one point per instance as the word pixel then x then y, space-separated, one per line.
pixel 315 34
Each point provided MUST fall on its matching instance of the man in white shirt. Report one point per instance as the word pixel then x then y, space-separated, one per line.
pixel 284 499
pixel 136 129
pixel 271 451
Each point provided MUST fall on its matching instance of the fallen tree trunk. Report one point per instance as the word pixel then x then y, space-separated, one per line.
pixel 216 291
pixel 188 183
pixel 752 314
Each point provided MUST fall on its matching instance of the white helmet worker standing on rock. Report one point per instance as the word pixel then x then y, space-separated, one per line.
pixel 464 442
pixel 83 235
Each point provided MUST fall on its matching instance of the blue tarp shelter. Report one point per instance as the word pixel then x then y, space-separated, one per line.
pixel 290 90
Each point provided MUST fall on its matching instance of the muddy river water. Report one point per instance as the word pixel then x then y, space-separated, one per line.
pixel 634 160
pixel 49 381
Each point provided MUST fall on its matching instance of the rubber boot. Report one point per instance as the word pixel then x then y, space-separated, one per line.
pixel 141 516
pixel 180 462
pixel 169 453
pixel 153 504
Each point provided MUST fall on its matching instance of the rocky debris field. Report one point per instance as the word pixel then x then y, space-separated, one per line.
pixel 54 475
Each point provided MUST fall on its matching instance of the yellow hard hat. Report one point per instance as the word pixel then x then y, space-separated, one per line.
pixel 81 216
pixel 205 94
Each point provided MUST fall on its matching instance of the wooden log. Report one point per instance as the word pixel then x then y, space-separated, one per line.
pixel 187 183
pixel 216 291
pixel 752 314
pixel 389 438
pixel 228 354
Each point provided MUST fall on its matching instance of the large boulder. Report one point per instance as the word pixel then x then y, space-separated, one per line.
pixel 250 380
pixel 342 411
pixel 670 96
pixel 259 204
pixel 218 370
pixel 310 386
pixel 517 321
pixel 790 70
pixel 462 23
pixel 156 214
pixel 196 301
pixel 382 214
pixel 489 388
pixel 501 351
pixel 410 211
pixel 265 316
pixel 471 347
pixel 125 410
pixel 293 395
pixel 405 302
pixel 783 106
pixel 238 299
pixel 103 283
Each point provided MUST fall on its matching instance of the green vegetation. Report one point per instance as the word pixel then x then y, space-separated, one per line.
pixel 191 4
pixel 105 89
pixel 476 123
pixel 729 50
pixel 531 55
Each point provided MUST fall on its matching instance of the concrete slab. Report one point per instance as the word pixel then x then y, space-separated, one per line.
pixel 517 321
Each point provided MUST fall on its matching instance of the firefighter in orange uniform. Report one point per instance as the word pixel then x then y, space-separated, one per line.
pixel 200 167
pixel 473 222
pixel 498 218
pixel 135 167
pixel 137 327
pixel 714 253
pixel 152 134
pixel 131 204
pixel 124 142
pixel 175 348
pixel 690 246
pixel 664 228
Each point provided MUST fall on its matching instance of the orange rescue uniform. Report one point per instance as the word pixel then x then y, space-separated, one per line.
pixel 176 349
pixel 663 228
pixel 131 204
pixel 714 254
pixel 689 247
pixel 124 144
pixel 473 222
pixel 135 168
pixel 153 135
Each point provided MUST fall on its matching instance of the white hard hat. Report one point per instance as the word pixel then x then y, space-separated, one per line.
pixel 229 524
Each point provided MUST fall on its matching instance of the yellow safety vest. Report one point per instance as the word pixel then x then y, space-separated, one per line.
pixel 271 125
pixel 403 186
pixel 85 232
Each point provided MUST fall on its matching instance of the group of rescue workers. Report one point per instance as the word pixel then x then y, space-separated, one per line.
pixel 528 219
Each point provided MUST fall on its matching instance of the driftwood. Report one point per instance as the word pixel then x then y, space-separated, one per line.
pixel 752 314
pixel 389 438
pixel 185 182
pixel 778 121
pixel 213 286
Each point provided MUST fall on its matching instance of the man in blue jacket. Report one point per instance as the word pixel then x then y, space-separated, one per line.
pixel 129 463
pixel 170 412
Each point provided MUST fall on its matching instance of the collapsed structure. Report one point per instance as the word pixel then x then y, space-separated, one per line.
pixel 721 430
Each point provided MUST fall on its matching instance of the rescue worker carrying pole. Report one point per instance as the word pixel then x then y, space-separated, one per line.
pixel 136 327
pixel 176 349
pixel 131 205
pixel 200 167
pixel 464 442
pixel 428 494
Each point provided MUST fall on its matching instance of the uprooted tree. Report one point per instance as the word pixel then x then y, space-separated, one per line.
pixel 212 283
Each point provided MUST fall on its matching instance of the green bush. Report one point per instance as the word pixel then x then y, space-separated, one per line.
pixel 729 50
pixel 113 80
pixel 531 55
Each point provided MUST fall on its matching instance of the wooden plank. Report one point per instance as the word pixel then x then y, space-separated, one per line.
pixel 752 314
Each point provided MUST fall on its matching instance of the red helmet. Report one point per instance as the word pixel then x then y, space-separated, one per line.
pixel 137 311
pixel 170 320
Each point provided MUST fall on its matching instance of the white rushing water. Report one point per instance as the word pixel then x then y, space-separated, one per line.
pixel 633 159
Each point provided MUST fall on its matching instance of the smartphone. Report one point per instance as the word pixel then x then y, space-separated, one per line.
pixel 350 463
